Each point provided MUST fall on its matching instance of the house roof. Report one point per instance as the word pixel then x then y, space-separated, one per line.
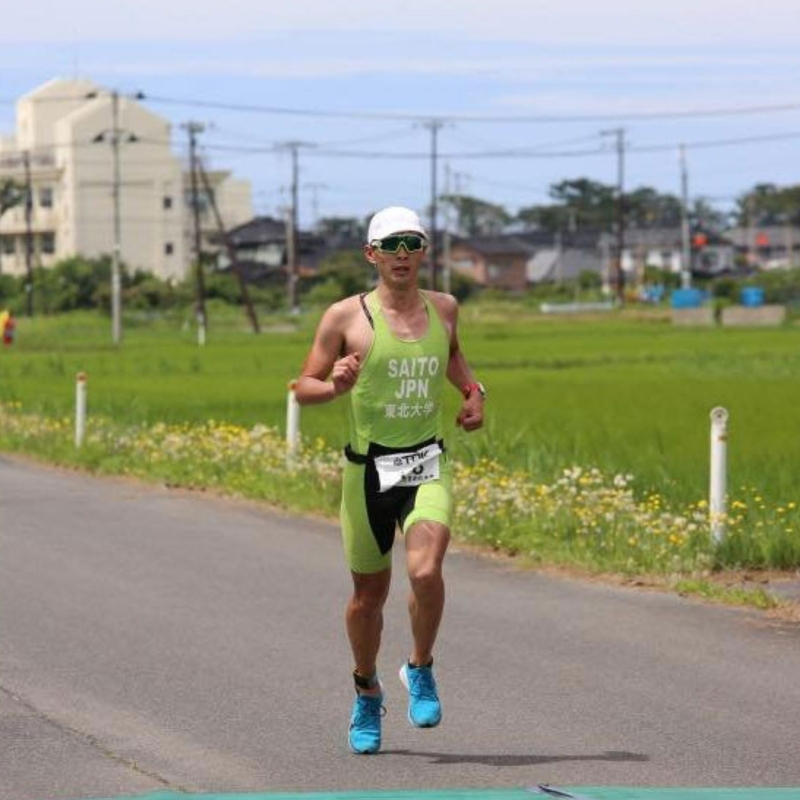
pixel 497 245
pixel 662 238
pixel 258 230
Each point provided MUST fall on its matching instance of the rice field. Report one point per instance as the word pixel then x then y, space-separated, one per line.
pixel 625 395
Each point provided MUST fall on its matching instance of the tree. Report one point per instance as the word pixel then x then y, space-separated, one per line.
pixel 476 217
pixel 582 203
pixel 704 217
pixel 346 273
pixel 767 204
pixel 579 203
pixel 11 194
pixel 647 208
pixel 342 228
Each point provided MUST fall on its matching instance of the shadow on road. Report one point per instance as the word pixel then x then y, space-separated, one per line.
pixel 517 760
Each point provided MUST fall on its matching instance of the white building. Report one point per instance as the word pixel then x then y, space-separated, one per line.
pixel 65 131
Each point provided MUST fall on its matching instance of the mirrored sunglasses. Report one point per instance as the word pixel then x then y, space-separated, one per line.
pixel 412 242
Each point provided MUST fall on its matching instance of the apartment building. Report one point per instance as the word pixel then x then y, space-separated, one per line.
pixel 88 193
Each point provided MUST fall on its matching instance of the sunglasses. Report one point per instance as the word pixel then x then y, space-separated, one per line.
pixel 412 242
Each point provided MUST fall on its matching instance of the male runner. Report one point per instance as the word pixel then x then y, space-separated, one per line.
pixel 392 350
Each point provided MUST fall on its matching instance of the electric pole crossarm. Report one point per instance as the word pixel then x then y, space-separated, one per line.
pixel 251 313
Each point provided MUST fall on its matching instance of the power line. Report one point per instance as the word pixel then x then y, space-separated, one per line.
pixel 466 118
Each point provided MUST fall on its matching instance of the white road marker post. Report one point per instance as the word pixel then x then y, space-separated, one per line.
pixel 292 421
pixel 80 408
pixel 717 497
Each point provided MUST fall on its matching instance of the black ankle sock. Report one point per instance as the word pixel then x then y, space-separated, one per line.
pixel 417 666
pixel 365 683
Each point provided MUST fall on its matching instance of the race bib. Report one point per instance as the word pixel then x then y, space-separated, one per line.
pixel 409 469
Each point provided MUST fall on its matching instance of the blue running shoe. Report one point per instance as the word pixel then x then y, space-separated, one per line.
pixel 424 708
pixel 365 723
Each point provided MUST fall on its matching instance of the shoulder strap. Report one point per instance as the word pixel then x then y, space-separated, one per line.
pixel 366 310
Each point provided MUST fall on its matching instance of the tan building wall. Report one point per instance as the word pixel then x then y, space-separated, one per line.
pixel 67 127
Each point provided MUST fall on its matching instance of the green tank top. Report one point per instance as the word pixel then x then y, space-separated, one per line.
pixel 397 399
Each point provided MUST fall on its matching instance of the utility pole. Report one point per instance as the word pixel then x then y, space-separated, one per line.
pixel 619 133
pixel 194 128
pixel 251 313
pixel 686 250
pixel 116 280
pixel 26 160
pixel 433 125
pixel 448 219
pixel 291 238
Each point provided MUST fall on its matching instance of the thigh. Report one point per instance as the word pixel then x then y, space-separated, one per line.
pixel 432 502
pixel 362 549
pixel 426 545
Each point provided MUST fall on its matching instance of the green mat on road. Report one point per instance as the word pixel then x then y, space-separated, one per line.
pixel 524 793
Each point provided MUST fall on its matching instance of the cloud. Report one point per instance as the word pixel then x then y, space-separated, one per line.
pixel 583 22
pixel 633 68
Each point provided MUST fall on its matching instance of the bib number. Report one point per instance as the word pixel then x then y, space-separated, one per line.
pixel 408 469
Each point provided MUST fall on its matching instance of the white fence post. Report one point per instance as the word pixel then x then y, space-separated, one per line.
pixel 718 484
pixel 292 420
pixel 80 408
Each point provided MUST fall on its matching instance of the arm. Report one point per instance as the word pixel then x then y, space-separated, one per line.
pixel 325 375
pixel 470 417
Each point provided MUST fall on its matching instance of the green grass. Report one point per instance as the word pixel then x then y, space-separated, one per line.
pixel 627 393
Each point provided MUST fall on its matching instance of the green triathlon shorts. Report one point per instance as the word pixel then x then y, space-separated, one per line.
pixel 369 518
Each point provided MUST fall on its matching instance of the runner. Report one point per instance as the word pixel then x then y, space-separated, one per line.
pixel 392 350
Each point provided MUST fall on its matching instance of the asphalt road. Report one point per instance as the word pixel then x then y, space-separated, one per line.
pixel 153 639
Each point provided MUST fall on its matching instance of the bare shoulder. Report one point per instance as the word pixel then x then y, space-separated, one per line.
pixel 341 313
pixel 445 304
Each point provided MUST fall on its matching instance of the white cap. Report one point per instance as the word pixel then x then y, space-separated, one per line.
pixel 394 219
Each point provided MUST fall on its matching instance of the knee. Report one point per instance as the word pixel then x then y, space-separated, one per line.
pixel 368 598
pixel 366 603
pixel 426 574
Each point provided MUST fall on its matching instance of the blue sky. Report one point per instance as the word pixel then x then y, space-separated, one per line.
pixel 501 76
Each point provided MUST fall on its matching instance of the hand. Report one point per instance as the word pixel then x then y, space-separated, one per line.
pixel 470 418
pixel 345 373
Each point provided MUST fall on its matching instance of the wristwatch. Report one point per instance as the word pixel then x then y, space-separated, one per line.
pixel 469 388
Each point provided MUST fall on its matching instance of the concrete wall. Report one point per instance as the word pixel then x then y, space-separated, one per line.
pixel 760 316
pixel 703 316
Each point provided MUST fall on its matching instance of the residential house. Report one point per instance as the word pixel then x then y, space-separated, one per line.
pixel 767 246
pixel 261 251
pixel 514 262
pixel 496 262
pixel 662 248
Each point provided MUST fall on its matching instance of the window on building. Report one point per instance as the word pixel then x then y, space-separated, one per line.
pixel 48 243
pixel 169 249
pixel 7 245
pixel 167 202
pixel 46 197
